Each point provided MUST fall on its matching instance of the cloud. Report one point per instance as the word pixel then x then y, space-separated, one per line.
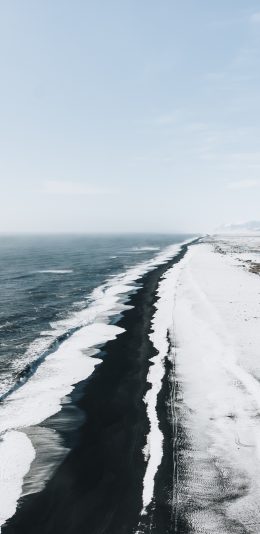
pixel 61 187
pixel 244 184
pixel 255 18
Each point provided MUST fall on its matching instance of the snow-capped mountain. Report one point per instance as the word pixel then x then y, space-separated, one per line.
pixel 239 228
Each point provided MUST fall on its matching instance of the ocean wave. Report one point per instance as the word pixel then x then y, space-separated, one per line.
pixel 61 358
pixel 54 271
pixel 13 468
pixel 104 302
pixel 7 324
pixel 145 249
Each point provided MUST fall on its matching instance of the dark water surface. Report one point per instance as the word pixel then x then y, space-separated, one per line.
pixel 98 488
pixel 46 279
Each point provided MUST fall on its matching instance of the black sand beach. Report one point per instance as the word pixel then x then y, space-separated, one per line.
pixel 98 487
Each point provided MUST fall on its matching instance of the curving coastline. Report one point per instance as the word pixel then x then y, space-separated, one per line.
pixel 98 487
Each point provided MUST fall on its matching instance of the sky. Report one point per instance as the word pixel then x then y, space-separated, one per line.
pixel 129 115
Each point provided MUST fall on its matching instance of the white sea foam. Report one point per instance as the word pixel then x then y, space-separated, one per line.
pixel 105 302
pixel 41 396
pixel 145 249
pixel 13 467
pixel 55 271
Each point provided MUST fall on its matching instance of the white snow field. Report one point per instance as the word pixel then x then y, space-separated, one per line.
pixel 216 327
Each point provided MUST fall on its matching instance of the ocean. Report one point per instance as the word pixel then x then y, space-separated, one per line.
pixel 61 297
pixel 47 282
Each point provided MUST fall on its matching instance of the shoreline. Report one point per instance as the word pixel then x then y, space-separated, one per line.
pixel 99 483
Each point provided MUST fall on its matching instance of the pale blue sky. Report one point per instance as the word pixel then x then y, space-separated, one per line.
pixel 129 115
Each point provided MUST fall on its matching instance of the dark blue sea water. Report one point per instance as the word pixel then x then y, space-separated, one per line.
pixel 45 279
pixel 60 296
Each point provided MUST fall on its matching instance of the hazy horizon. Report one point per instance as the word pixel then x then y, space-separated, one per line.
pixel 85 233
pixel 129 117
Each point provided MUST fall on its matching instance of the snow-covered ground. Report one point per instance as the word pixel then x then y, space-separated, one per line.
pixel 216 326
pixel 244 248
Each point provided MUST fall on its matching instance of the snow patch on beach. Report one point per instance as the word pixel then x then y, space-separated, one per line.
pixel 246 249
pixel 217 326
pixel 161 327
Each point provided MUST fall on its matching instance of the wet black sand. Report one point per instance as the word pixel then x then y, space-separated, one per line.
pixel 98 487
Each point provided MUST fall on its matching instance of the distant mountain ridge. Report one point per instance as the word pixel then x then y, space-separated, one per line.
pixel 239 228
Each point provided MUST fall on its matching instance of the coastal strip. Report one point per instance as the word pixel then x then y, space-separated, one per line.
pixel 44 380
pixel 99 485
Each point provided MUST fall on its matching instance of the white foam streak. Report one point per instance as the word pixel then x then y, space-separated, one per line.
pixel 55 271
pixel 144 249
